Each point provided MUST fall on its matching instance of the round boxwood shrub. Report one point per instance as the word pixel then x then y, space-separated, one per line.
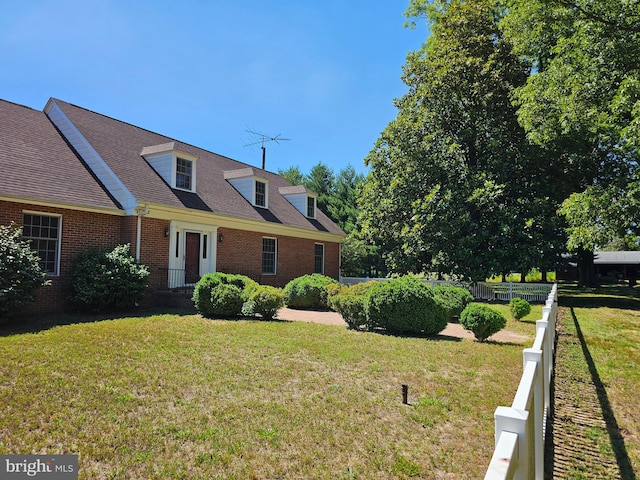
pixel 245 284
pixel 264 300
pixel 453 299
pixel 105 280
pixel 404 305
pixel 308 291
pixel 482 321
pixel 350 303
pixel 221 294
pixel 20 271
pixel 202 292
pixel 226 300
pixel 519 308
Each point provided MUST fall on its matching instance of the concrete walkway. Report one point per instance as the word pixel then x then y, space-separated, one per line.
pixel 333 318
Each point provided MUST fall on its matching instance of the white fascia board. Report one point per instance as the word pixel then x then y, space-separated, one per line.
pixel 94 161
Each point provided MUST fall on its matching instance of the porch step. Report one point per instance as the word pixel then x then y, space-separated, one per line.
pixel 173 298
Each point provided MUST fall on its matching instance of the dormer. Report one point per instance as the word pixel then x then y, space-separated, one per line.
pixel 253 188
pixel 303 199
pixel 177 168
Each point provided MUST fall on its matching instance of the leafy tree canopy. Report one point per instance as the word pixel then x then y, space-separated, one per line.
pixel 584 96
pixel 455 186
pixel 583 101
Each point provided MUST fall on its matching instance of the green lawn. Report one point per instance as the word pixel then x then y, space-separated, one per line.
pixel 179 396
pixel 606 323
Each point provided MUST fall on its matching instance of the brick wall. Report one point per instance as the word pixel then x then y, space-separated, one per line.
pixel 79 231
pixel 154 247
pixel 241 252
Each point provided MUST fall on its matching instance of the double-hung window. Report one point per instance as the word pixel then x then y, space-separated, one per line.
pixel 44 233
pixel 311 207
pixel 261 194
pixel 184 173
pixel 269 256
pixel 318 258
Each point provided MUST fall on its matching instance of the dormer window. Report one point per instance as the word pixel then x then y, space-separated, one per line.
pixel 311 207
pixel 176 167
pixel 261 194
pixel 303 199
pixel 184 169
pixel 253 188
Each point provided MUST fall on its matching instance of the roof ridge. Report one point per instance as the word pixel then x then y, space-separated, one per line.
pixel 160 134
pixel 20 105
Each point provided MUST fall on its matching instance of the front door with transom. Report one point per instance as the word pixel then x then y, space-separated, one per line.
pixel 192 258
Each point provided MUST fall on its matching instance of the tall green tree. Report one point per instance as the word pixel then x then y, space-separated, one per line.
pixel 293 175
pixel 343 205
pixel 321 180
pixel 338 198
pixel 583 101
pixel 455 186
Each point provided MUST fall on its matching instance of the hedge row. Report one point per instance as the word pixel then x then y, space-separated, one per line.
pixel 229 295
pixel 404 306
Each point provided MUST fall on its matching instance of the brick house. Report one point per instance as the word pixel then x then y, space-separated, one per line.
pixel 75 178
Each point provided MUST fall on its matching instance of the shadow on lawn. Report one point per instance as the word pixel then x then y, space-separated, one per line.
pixel 617 441
pixel 41 322
pixel 612 296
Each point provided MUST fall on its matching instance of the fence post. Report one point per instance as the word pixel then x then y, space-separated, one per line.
pixel 509 419
pixel 535 355
pixel 547 356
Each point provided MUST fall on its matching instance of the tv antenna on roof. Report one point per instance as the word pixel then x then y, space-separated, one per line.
pixel 261 139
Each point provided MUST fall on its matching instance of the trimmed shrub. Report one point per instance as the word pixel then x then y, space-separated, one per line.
pixel 308 291
pixel 350 303
pixel 202 292
pixel 453 299
pixel 226 300
pixel 213 297
pixel 106 280
pixel 20 271
pixel 265 300
pixel 404 305
pixel 334 289
pixel 351 307
pixel 482 321
pixel 519 308
pixel 245 284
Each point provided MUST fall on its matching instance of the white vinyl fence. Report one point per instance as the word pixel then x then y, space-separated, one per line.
pixel 531 292
pixel 520 429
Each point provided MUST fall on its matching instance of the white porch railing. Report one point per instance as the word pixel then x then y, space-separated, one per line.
pixel 520 429
pixel 532 292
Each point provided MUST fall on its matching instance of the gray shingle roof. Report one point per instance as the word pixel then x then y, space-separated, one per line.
pixel 37 163
pixel 120 145
pixel 617 258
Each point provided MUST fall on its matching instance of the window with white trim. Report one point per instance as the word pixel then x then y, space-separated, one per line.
pixel 269 250
pixel 44 233
pixel 184 173
pixel 318 258
pixel 261 194
pixel 311 207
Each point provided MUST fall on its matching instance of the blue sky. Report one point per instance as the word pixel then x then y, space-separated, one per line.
pixel 322 73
